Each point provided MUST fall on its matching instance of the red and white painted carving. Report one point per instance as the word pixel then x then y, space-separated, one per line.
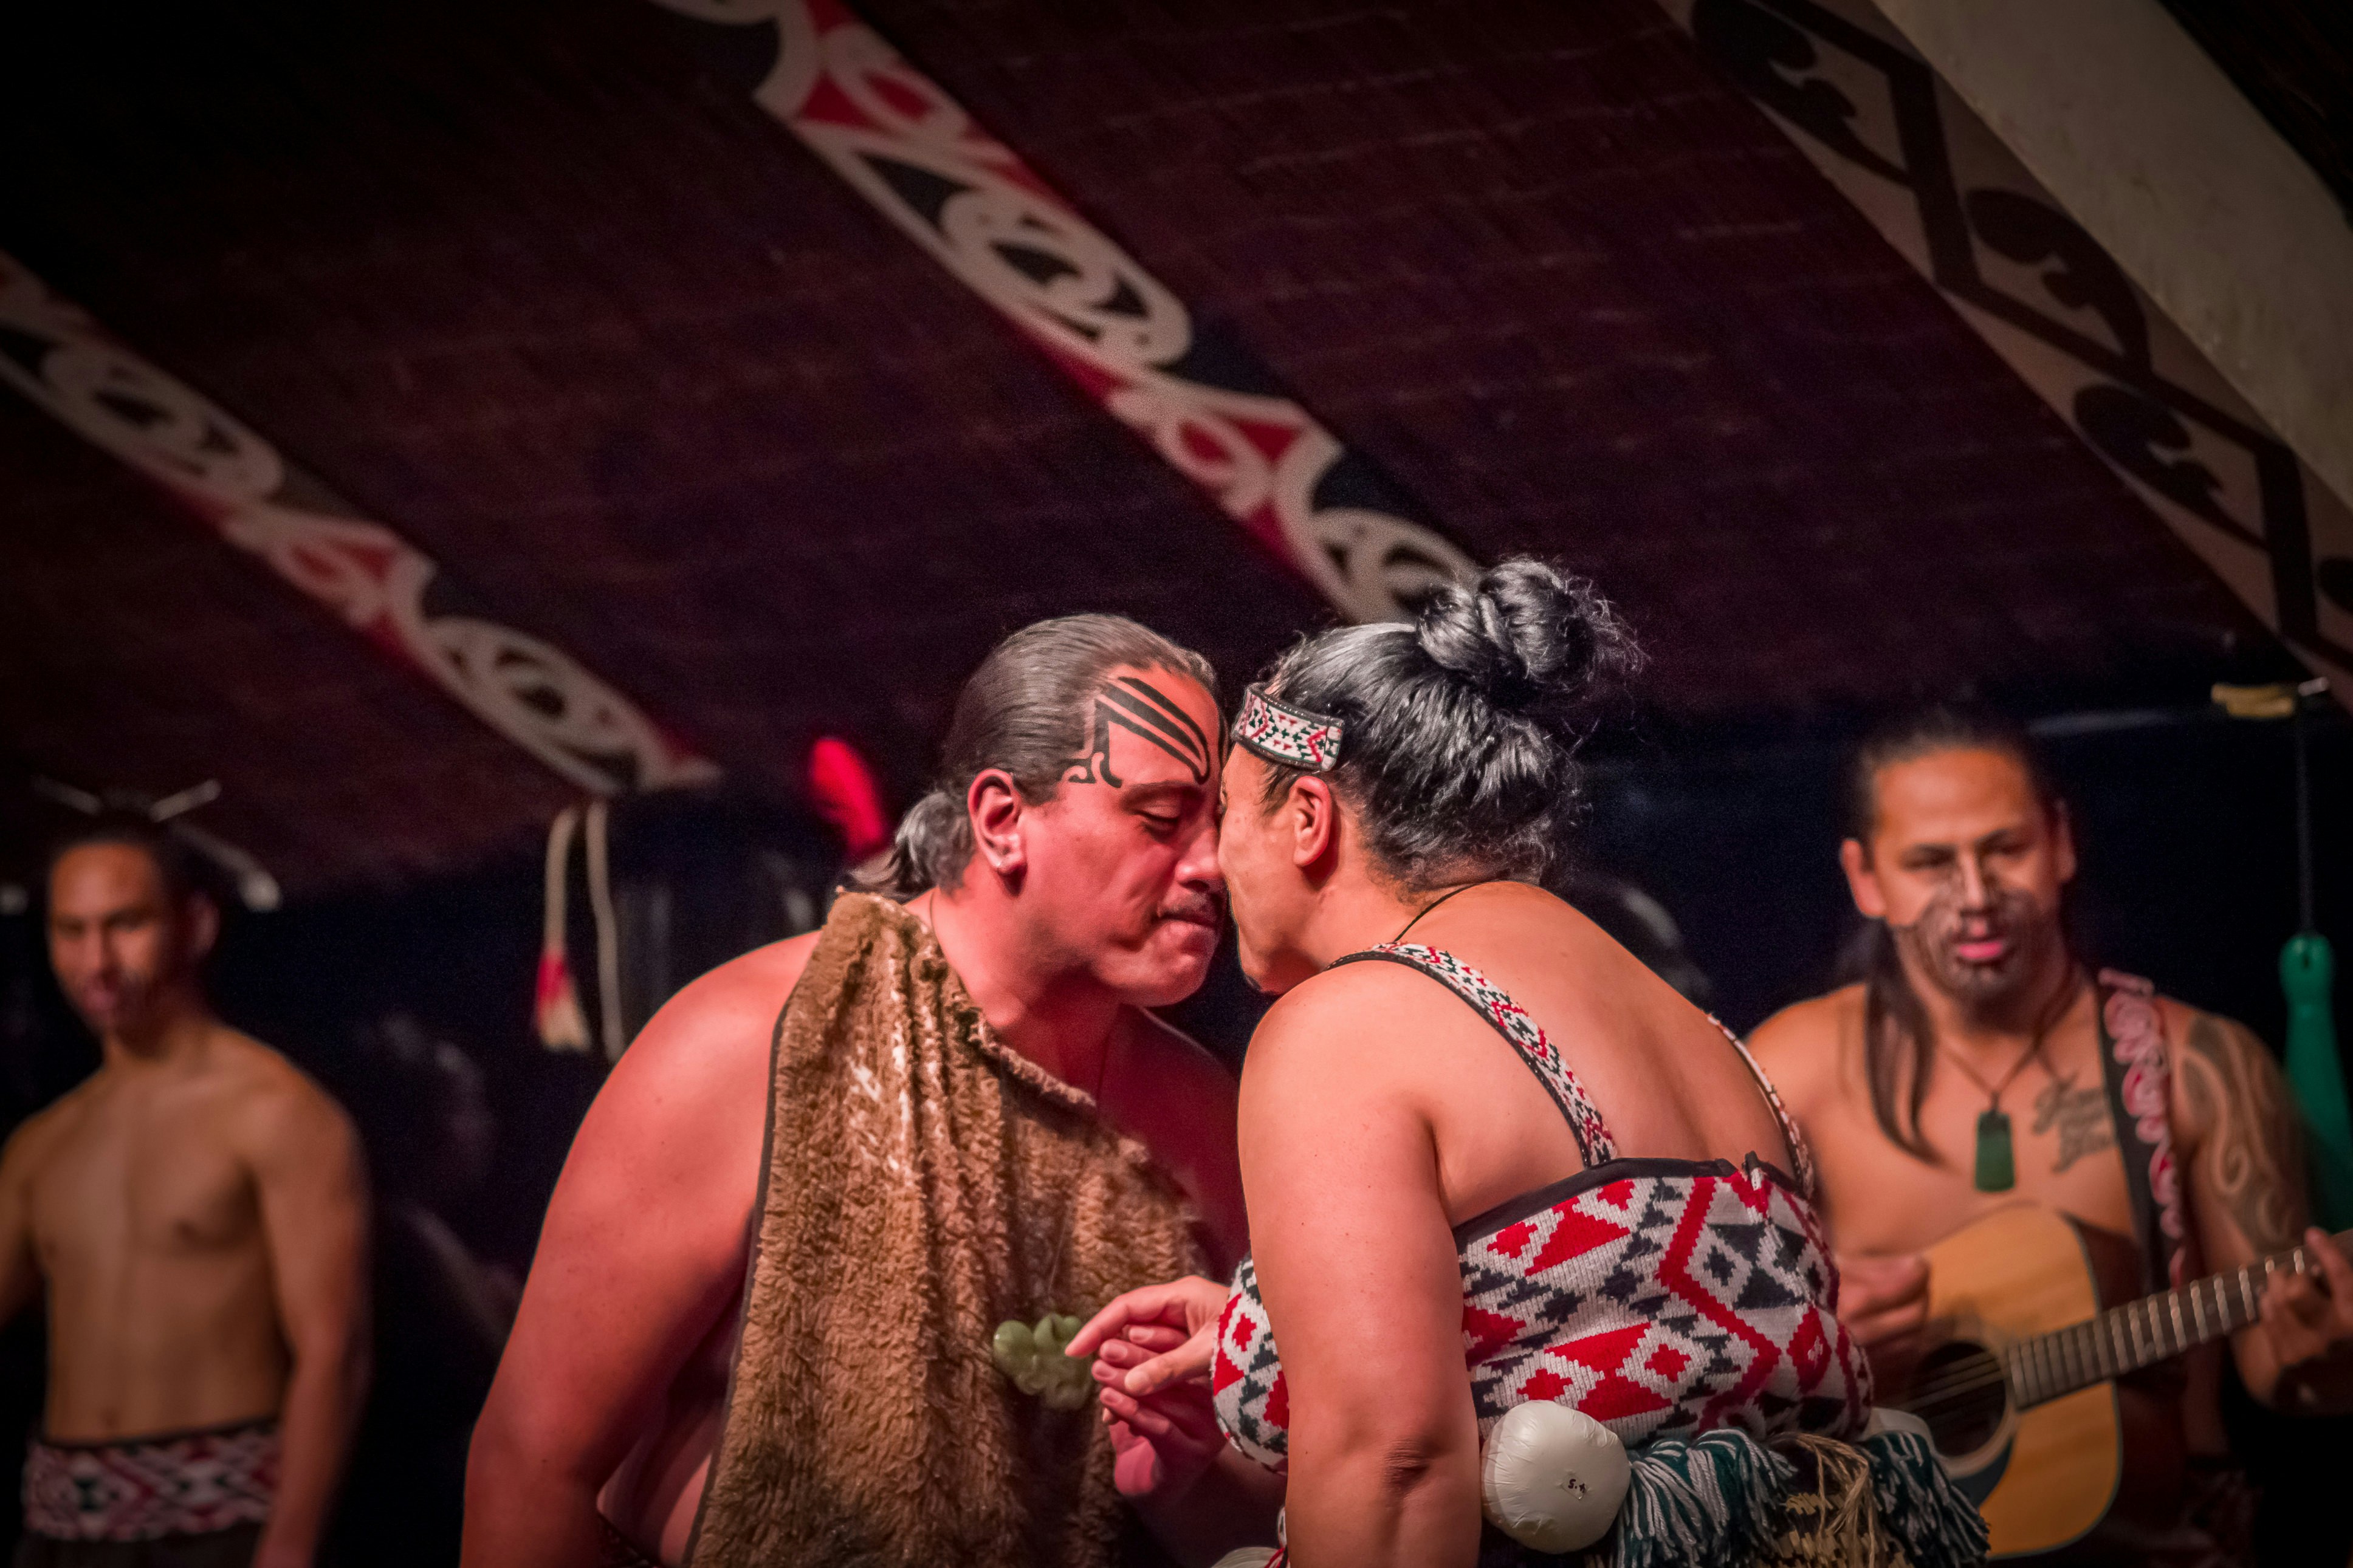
pixel 969 200
pixel 530 691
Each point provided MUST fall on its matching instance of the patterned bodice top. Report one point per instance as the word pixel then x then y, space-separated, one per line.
pixel 1657 1296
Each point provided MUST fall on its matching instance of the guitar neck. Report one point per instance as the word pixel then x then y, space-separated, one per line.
pixel 2142 1333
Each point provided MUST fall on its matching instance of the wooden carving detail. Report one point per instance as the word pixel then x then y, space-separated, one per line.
pixel 380 585
pixel 902 144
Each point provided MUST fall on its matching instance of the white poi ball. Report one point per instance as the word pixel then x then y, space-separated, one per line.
pixel 1552 1478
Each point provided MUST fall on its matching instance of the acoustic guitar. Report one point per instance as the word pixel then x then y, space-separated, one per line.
pixel 2016 1388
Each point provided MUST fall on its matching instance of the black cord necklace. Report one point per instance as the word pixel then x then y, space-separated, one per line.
pixel 1433 904
pixel 1996 1168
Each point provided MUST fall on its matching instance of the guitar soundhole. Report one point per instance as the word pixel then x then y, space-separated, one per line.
pixel 1958 1390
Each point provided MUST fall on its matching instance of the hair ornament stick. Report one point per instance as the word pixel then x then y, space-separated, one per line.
pixel 256 887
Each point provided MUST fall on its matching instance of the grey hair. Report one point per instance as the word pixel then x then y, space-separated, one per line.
pixel 1026 711
pixel 1463 728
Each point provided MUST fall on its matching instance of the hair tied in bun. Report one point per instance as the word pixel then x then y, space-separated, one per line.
pixel 1463 731
pixel 1526 636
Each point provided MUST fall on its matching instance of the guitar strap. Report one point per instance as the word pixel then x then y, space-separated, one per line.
pixel 2138 1077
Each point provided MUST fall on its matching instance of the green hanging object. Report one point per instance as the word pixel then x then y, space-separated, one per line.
pixel 2315 1075
pixel 1997 1172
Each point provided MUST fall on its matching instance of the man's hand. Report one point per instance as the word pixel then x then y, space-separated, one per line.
pixel 1176 1324
pixel 1883 1301
pixel 1161 1443
pixel 2308 1323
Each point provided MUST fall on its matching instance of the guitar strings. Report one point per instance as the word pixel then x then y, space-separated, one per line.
pixel 1955 1382
pixel 1946 1390
pixel 1954 1385
pixel 1970 1379
pixel 1951 1387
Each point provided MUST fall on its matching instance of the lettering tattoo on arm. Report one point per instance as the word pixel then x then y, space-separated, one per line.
pixel 2250 1156
pixel 2080 1114
pixel 1139 708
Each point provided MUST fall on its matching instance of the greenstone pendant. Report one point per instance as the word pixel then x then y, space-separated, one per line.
pixel 1996 1171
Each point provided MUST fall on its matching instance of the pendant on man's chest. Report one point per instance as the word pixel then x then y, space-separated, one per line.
pixel 1996 1171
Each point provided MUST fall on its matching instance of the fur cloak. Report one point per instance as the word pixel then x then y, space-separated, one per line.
pixel 922 1185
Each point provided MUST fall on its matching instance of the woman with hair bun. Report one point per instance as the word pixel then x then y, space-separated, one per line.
pixel 1492 1161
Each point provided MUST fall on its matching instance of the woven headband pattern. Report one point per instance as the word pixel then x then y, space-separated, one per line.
pixel 1290 736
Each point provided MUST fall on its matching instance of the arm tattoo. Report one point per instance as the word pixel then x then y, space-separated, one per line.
pixel 2250 1158
pixel 2080 1114
pixel 1140 709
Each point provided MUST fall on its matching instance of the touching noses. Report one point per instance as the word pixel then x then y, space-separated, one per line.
pixel 1198 867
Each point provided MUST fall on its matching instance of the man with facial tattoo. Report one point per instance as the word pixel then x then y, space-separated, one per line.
pixel 1981 1062
pixel 780 1314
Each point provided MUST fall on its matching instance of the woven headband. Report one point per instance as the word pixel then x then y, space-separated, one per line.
pixel 1291 737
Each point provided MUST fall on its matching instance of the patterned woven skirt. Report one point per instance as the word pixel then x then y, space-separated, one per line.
pixel 148 1489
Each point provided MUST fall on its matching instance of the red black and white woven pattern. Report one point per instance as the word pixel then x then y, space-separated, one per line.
pixel 189 1484
pixel 1660 1297
pixel 1290 736
pixel 1511 1021
pixel 1246 1376
pixel 1671 1302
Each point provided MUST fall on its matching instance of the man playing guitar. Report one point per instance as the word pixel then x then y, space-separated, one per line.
pixel 1979 1064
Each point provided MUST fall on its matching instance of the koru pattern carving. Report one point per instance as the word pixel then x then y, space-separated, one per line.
pixel 381 585
pixel 2010 256
pixel 1199 400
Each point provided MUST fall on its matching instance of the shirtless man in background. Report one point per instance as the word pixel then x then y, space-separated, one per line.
pixel 1065 870
pixel 196 1210
pixel 1975 1007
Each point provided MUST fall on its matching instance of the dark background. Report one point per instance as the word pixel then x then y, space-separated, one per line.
pixel 2184 819
pixel 536 284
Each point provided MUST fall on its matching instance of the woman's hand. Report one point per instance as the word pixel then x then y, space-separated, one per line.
pixel 1152 1338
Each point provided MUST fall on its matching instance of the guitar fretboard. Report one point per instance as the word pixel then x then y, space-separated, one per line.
pixel 2141 1333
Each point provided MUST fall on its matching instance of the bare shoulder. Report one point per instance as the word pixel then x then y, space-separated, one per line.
pixel 270 1101
pixel 759 980
pixel 2207 1034
pixel 700 1062
pixel 2223 1073
pixel 722 1020
pixel 40 1134
pixel 1800 1047
pixel 1352 1021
